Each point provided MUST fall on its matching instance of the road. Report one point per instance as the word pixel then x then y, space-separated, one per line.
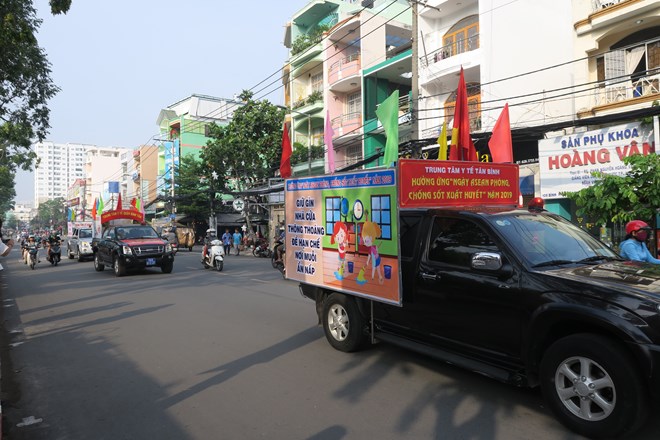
pixel 237 354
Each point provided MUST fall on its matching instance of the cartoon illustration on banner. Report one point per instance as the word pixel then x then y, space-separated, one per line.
pixel 342 233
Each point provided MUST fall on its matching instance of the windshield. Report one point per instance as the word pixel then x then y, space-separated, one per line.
pixel 85 233
pixel 547 239
pixel 141 232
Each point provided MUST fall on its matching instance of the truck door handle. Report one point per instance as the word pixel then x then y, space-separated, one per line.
pixel 430 276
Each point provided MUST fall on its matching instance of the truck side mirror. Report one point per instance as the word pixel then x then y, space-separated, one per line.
pixel 490 262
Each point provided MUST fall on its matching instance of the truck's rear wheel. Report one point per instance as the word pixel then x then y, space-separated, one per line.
pixel 593 386
pixel 343 323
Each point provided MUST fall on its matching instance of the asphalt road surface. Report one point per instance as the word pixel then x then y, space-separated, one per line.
pixel 237 354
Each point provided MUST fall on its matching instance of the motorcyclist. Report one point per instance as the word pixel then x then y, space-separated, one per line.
pixel 634 247
pixel 210 236
pixel 279 248
pixel 52 240
pixel 30 243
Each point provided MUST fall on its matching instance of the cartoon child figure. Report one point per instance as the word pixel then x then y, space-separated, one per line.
pixel 370 231
pixel 340 236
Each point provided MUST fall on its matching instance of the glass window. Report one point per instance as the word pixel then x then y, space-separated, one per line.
pixel 408 230
pixel 354 103
pixel 454 241
pixel 317 82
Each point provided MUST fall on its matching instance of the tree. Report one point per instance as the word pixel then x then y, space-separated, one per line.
pixel 193 192
pixel 7 191
pixel 50 214
pixel 619 199
pixel 25 88
pixel 249 148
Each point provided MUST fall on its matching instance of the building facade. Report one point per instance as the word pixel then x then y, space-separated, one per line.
pixel 60 164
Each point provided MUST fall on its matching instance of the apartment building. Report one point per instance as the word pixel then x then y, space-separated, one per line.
pixel 331 44
pixel 60 164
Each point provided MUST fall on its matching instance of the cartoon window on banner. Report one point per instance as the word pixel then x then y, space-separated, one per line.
pixel 566 163
pixel 341 233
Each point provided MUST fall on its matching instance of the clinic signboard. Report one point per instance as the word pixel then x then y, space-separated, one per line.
pixel 566 163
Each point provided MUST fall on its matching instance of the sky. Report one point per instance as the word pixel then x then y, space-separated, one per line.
pixel 119 62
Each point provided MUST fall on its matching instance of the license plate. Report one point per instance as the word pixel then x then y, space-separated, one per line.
pixel 151 261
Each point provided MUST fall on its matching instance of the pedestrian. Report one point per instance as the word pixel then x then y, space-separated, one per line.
pixel 237 241
pixel 5 245
pixel 634 246
pixel 226 241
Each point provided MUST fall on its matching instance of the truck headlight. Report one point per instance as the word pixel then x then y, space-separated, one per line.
pixel 168 247
pixel 126 250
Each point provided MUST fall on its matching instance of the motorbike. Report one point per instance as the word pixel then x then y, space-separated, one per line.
pixel 213 255
pixel 279 265
pixel 32 256
pixel 261 249
pixel 54 253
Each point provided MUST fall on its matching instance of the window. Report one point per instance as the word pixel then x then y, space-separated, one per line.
pixel 317 82
pixel 353 154
pixel 408 230
pixel 454 241
pixel 462 37
pixel 381 213
pixel 332 213
pixel 474 105
pixel 354 103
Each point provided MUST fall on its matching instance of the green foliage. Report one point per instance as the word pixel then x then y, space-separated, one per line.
pixel 59 6
pixel 620 199
pixel 50 214
pixel 301 153
pixel 314 96
pixel 7 191
pixel 305 41
pixel 249 148
pixel 195 189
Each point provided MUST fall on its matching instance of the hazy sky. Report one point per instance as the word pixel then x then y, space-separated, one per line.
pixel 119 62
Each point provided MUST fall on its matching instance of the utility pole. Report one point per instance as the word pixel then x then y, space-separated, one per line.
pixel 414 105
pixel 309 145
pixel 172 176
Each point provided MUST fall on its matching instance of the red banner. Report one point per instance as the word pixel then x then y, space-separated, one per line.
pixel 436 183
pixel 130 214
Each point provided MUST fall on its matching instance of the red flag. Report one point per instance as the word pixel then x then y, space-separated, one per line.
pixel 500 144
pixel 96 204
pixel 461 142
pixel 119 202
pixel 285 163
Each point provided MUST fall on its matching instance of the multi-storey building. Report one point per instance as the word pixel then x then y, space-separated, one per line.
pixel 60 164
pixel 587 66
pixel 104 172
pixel 332 44
pixel 184 130
pixel 144 175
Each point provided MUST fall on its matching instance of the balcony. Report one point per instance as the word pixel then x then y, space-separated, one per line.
pixel 449 50
pixel 343 75
pixel 347 125
pixel 624 92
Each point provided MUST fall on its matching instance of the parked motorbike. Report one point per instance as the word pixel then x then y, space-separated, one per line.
pixel 54 253
pixel 213 255
pixel 261 249
pixel 279 265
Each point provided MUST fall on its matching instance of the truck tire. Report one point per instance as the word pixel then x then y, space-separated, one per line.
pixel 69 253
pixel 98 265
pixel 167 267
pixel 343 323
pixel 593 386
pixel 118 267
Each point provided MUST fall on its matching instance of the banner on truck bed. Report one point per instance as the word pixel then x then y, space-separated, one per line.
pixel 433 183
pixel 342 233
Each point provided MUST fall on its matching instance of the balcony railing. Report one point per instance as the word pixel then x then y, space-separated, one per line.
pixel 344 68
pixel 626 89
pixel 599 5
pixel 346 123
pixel 457 47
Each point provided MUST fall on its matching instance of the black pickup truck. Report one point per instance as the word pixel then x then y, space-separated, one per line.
pixel 128 247
pixel 525 297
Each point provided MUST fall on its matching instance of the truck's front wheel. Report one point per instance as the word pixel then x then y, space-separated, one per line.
pixel 343 323
pixel 593 386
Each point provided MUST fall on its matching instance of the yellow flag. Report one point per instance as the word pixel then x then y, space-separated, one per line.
pixel 442 141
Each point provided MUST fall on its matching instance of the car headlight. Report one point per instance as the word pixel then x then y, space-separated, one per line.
pixel 86 246
pixel 126 250
pixel 168 247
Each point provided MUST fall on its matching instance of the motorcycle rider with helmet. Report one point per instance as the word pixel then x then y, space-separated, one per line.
pixel 51 241
pixel 634 246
